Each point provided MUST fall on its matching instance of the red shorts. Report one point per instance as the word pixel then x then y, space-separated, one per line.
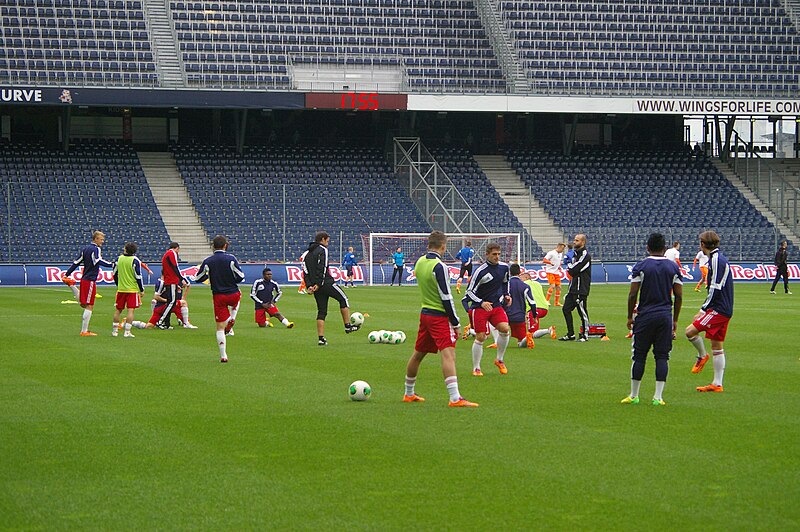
pixel 88 291
pixel 715 325
pixel 128 299
pixel 519 330
pixel 554 279
pixel 435 334
pixel 158 311
pixel 261 314
pixel 481 319
pixel 222 303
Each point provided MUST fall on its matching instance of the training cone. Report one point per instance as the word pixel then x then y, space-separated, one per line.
pixel 605 339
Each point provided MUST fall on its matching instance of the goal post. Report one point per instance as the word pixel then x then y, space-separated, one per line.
pixel 380 248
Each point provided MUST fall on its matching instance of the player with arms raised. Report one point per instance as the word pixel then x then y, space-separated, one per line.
pixel 92 260
pixel 224 272
pixel 438 322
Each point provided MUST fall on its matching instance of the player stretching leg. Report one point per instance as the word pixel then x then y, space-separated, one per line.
pixel 715 313
pixel 438 323
pixel 265 293
pixel 92 261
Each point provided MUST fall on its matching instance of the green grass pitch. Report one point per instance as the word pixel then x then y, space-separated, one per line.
pixel 153 432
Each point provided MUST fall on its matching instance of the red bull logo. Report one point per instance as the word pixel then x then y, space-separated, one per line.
pixel 53 275
pixel 294 274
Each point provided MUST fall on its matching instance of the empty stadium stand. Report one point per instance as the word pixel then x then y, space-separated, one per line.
pixel 247 197
pixel 75 43
pixel 674 47
pixel 469 179
pixel 57 200
pixel 617 197
pixel 439 44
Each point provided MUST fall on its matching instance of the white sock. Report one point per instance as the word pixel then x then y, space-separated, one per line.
pixel 719 366
pixel 185 312
pixel 635 388
pixel 234 312
pixel 452 388
pixel 115 326
pixel 221 343
pixel 153 305
pixel 285 322
pixel 523 343
pixel 541 332
pixel 659 390
pixel 410 383
pixel 139 324
pixel 477 354
pixel 698 344
pixel 87 315
pixel 76 292
pixel 494 332
pixel 127 327
pixel 502 344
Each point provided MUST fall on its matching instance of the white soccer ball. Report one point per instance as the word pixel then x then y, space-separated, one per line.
pixel 356 318
pixel 397 337
pixel 374 337
pixel 386 337
pixel 402 336
pixel 359 391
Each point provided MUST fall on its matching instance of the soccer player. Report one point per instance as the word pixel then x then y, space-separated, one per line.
pixel 173 280
pixel 520 319
pixel 465 255
pixel 715 313
pixel 348 263
pixel 92 260
pixel 580 273
pixel 674 254
pixel 541 310
pixel 781 259
pixel 702 260
pixel 653 282
pixel 266 293
pixel 438 323
pixel 128 278
pixel 321 283
pixel 552 266
pixel 398 259
pixel 224 272
pixel 487 293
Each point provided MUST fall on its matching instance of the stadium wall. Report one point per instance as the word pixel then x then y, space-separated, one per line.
pixel 289 274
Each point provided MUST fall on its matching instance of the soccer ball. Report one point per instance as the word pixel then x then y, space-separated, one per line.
pixel 359 391
pixel 356 318
pixel 374 337
pixel 386 337
pixel 397 337
pixel 402 336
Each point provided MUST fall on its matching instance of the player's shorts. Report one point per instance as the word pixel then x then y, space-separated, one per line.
pixel 128 300
pixel 481 319
pixel 435 334
pixel 541 312
pixel 261 314
pixel 158 311
pixel 349 270
pixel 223 303
pixel 714 324
pixel 465 269
pixel 88 292
pixel 520 329
pixel 554 279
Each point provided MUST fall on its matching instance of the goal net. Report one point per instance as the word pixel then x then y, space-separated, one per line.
pixel 380 249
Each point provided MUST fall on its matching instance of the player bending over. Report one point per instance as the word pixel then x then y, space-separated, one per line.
pixel 265 293
pixel 438 323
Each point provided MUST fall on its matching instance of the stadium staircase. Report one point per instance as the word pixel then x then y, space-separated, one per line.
pixel 176 208
pixel 164 40
pixel 516 195
pixel 793 10
pixel 507 57
pixel 754 197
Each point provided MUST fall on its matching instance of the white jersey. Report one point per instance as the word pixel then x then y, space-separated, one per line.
pixel 701 258
pixel 555 258
pixel 673 254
